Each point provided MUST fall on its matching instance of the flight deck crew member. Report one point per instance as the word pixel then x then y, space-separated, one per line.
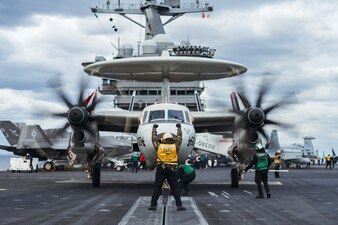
pixel 166 165
pixel 30 158
pixel 328 161
pixel 185 175
pixel 277 162
pixel 134 161
pixel 262 162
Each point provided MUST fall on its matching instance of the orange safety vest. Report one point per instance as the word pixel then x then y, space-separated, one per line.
pixel 167 154
pixel 328 158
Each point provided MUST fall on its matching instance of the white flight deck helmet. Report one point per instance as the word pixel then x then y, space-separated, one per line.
pixel 259 145
pixel 167 135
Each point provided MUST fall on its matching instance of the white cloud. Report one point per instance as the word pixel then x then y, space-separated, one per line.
pixel 293 40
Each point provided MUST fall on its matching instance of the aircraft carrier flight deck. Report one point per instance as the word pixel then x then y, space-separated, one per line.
pixel 301 196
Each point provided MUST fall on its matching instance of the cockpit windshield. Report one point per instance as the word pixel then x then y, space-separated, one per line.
pixel 176 115
pixel 156 115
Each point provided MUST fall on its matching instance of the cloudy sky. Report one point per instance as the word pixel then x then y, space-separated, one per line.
pixel 293 43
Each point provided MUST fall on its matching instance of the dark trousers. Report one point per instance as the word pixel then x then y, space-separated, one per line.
pixel 262 176
pixel 135 166
pixel 185 180
pixel 328 163
pixel 160 176
pixel 277 173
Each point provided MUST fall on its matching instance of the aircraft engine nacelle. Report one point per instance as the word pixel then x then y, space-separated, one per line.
pixel 145 144
pixel 243 149
pixel 85 140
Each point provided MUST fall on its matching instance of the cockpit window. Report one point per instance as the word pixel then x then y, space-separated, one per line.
pixel 156 114
pixel 175 114
pixel 187 116
pixel 145 116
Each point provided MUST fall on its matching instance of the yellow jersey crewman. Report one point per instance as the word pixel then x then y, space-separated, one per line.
pixel 166 165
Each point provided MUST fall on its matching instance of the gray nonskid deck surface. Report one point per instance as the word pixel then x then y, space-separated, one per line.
pixel 305 196
pixel 137 215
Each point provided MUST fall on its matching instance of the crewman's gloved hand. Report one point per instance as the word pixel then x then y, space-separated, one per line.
pixel 178 125
pixel 155 126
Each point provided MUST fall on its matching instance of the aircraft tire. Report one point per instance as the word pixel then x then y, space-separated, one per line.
pixel 96 175
pixel 119 168
pixel 48 166
pixel 234 178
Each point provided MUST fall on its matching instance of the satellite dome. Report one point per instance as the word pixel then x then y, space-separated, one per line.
pixel 149 47
pixel 163 41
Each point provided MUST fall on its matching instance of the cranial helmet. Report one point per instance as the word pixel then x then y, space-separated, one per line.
pixel 167 135
pixel 258 145
pixel 279 151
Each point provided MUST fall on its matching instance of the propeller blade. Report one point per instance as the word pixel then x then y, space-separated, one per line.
pixel 244 100
pixel 63 129
pixel 261 131
pixel 94 104
pixel 62 95
pixel 263 90
pixel 267 121
pixel 60 114
pixel 83 86
pixel 288 99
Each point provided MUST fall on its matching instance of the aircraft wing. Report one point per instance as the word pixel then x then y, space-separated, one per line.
pixel 213 121
pixel 8 148
pixel 117 121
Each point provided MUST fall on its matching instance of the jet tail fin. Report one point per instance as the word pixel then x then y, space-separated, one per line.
pixel 34 137
pixel 273 142
pixel 10 131
pixel 308 146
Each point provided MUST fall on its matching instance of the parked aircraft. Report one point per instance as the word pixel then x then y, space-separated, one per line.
pixel 52 146
pixel 165 62
pixel 295 154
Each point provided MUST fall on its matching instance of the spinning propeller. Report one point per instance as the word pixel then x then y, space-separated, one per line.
pixel 79 114
pixel 254 117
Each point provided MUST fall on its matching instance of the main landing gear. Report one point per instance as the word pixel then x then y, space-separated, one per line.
pixel 96 176
pixel 234 178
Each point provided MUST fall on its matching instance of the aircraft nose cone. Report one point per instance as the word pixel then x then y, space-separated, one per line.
pixel 76 116
pixel 256 116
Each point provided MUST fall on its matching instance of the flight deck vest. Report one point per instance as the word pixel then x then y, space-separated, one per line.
pixel 167 154
pixel 276 160
pixel 262 161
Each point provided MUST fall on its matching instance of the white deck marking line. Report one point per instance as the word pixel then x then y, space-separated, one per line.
pixel 131 211
pixel 200 217
pixel 213 194
pixel 225 195
pixel 248 192
pixel 3 189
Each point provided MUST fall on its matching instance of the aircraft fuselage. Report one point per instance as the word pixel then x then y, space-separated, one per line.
pixel 166 116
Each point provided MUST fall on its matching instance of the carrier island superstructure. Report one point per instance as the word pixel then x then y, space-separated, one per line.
pixel 145 93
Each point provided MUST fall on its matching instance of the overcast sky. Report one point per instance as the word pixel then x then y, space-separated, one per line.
pixel 292 42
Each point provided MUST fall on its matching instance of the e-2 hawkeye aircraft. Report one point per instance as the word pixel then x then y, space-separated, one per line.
pixel 165 62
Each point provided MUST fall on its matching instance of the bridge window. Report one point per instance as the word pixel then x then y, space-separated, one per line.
pixel 180 92
pixel 152 92
pixel 176 115
pixel 143 92
pixel 156 115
